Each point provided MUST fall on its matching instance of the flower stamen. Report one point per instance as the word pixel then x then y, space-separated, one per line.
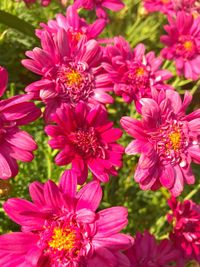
pixel 63 239
pixel 87 143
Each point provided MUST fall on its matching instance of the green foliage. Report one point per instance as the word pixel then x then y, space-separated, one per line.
pixel 147 210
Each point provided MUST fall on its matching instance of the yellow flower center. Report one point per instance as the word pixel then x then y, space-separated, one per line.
pixel 62 239
pixel 77 36
pixel 165 1
pixel 188 45
pixel 140 71
pixel 73 78
pixel 175 140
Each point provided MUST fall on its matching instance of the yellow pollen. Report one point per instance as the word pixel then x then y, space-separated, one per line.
pixel 77 36
pixel 175 138
pixel 188 45
pixel 140 71
pixel 165 1
pixel 63 239
pixel 73 78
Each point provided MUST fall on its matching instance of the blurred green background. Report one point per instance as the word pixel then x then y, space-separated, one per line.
pixel 147 209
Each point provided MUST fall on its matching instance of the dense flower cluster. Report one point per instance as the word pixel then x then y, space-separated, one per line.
pixel 78 76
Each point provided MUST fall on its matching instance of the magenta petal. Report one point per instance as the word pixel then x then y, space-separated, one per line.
pixel 18 243
pixel 53 196
pixel 194 153
pixel 97 261
pixel 104 257
pixel 135 147
pixel 150 112
pixel 68 183
pixel 115 242
pixel 89 196
pixel 24 213
pixel 123 261
pixel 111 135
pixel 167 178
pixel 111 221
pixel 179 182
pixel 33 256
pixel 3 80
pixel 114 5
pixel 10 260
pixel 79 166
pixel 85 216
pixel 36 190
pixel 8 166
pixel 133 127
pixel 21 140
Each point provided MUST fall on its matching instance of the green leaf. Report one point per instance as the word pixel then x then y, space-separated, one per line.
pixel 17 23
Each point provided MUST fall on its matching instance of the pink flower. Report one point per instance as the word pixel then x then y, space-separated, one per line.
pixel 167 139
pixel 61 228
pixel 86 139
pixel 146 252
pixel 183 44
pixel 75 26
pixel 163 6
pixel 189 6
pixel 132 72
pixel 69 74
pixel 185 218
pixel 3 80
pixel 15 144
pixel 99 6
pixel 43 2
pixel 171 7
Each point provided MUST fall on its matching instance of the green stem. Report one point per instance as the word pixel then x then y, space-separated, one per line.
pixel 17 23
pixel 193 192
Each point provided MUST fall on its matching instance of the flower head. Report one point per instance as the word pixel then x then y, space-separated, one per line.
pixel 30 2
pixel 99 6
pixel 185 218
pixel 69 74
pixel 74 26
pixel 171 7
pixel 167 139
pixel 164 6
pixel 132 72
pixel 189 6
pixel 62 228
pixel 87 140
pixel 15 144
pixel 146 252
pixel 183 44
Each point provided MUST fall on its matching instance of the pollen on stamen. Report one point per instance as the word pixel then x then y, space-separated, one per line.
pixel 73 78
pixel 140 71
pixel 175 138
pixel 165 1
pixel 62 239
pixel 76 83
pixel 87 143
pixel 188 45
